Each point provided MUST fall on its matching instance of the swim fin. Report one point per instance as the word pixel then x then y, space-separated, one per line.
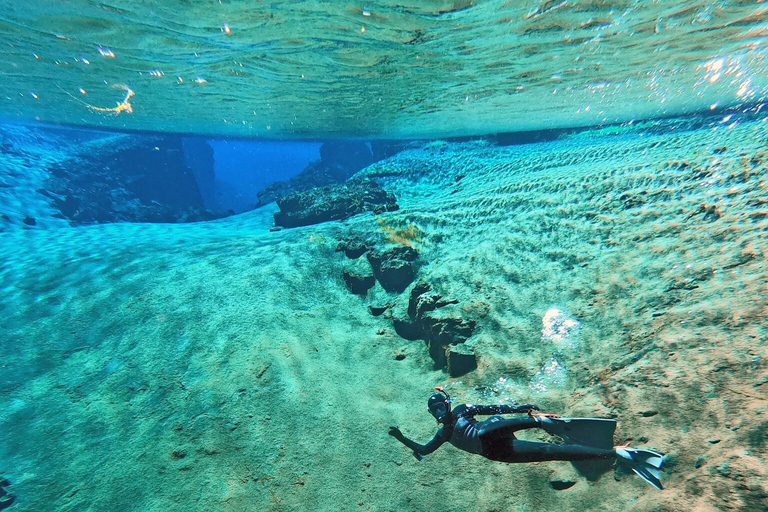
pixel 645 463
pixel 594 432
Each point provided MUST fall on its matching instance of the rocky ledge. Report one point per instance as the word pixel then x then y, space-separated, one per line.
pixel 333 202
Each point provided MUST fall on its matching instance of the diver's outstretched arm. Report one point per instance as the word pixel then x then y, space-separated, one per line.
pixel 417 448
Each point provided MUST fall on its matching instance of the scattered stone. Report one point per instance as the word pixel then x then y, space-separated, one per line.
pixel 561 485
pixel 407 329
pixel 378 311
pixel 399 357
pixel 353 248
pixel 332 202
pixel 275 229
pixel 648 414
pixel 459 361
pixel 724 470
pixel 441 323
pixel 701 461
pixel 358 278
pixel 6 498
pixel 712 213
pixel 393 268
pixel 714 441
pixel 30 221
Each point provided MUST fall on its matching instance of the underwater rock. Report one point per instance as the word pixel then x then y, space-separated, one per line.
pixel 441 324
pixel 358 277
pixel 353 248
pixel 459 361
pixel 339 160
pixel 407 329
pixel 6 498
pixel 395 275
pixel 417 291
pixel 378 311
pixel 332 202
pixel 382 149
pixel 393 268
pixel 146 179
pixel 443 328
pixel 29 221
pixel 561 485
pixel 199 157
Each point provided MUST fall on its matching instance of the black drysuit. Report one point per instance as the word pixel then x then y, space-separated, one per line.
pixel 494 438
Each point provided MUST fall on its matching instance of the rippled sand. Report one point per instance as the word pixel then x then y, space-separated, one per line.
pixel 218 366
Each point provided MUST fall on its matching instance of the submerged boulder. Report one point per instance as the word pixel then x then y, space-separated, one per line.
pixel 445 327
pixel 128 178
pixel 358 277
pixel 339 160
pixel 353 247
pixel 442 324
pixel 459 360
pixel 333 202
pixel 393 267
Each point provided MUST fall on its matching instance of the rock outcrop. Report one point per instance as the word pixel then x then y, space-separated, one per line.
pixel 442 324
pixel 353 247
pixel 393 267
pixel 358 277
pixel 339 160
pixel 145 179
pixel 333 202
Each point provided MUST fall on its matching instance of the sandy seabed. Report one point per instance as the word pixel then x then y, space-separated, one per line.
pixel 220 366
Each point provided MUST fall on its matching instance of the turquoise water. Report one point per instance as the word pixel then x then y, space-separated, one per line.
pixel 302 228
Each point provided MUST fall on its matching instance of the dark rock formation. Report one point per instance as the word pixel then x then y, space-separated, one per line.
pixel 459 360
pixel 561 485
pixel 382 149
pixel 408 329
pixel 339 160
pixel 442 325
pixel 378 310
pixel 333 202
pixel 198 155
pixel 127 178
pixel 346 157
pixel 393 268
pixel 6 498
pixel 358 277
pixel 353 247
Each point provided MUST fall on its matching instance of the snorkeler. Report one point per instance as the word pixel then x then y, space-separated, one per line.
pixel 494 438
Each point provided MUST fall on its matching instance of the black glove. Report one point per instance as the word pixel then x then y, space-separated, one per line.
pixel 395 432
